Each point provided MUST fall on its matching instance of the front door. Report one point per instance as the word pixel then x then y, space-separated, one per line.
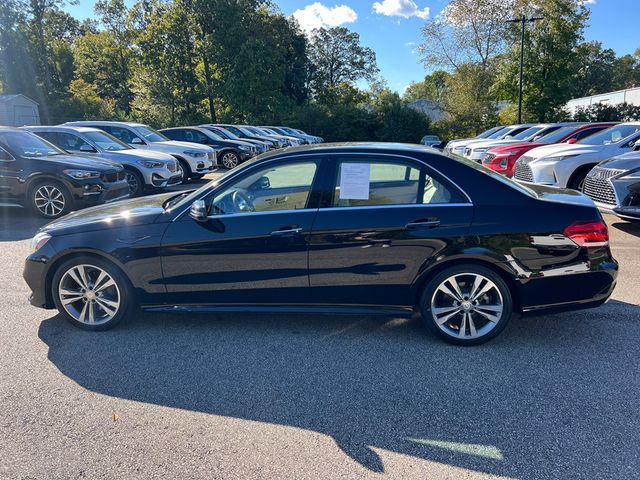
pixel 11 184
pixel 386 219
pixel 252 248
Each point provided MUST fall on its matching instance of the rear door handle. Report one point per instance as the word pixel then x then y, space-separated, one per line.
pixel 287 231
pixel 423 224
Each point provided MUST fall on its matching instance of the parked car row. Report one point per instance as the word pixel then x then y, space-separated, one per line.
pixel 57 169
pixel 599 159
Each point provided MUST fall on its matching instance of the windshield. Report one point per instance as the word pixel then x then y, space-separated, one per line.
pixel 430 137
pixel 499 132
pixel 486 133
pixel 246 131
pixel 526 134
pixel 235 130
pixel 106 141
pixel 557 135
pixel 28 145
pixel 225 134
pixel 150 134
pixel 214 135
pixel 610 135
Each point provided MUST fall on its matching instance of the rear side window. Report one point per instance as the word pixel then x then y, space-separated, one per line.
pixel 174 134
pixel 388 182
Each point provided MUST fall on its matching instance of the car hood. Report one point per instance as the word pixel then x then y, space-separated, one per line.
pixel 178 147
pixel 138 211
pixel 139 154
pixel 495 143
pixel 78 161
pixel 563 148
pixel 627 161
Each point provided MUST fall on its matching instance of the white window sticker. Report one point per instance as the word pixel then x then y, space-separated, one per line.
pixel 354 181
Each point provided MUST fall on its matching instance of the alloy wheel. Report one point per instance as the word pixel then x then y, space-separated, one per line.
pixel 467 306
pixel 49 200
pixel 89 294
pixel 230 160
pixel 134 184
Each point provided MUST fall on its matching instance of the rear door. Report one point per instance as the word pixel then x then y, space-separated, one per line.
pixel 385 217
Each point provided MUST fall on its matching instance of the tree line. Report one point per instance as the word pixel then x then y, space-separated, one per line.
pixel 176 62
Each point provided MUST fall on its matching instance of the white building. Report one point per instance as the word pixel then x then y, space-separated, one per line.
pixel 17 110
pixel 630 95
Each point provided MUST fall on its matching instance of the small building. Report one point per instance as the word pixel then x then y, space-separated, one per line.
pixel 17 110
pixel 630 96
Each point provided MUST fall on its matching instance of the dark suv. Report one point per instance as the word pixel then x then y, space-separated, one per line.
pixel 34 173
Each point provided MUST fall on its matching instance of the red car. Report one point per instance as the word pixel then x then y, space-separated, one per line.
pixel 503 158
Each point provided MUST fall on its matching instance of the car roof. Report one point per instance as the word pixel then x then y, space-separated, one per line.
pixel 62 128
pixel 360 147
pixel 104 122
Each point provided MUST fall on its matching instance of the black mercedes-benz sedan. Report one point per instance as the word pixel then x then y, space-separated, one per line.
pixel 342 228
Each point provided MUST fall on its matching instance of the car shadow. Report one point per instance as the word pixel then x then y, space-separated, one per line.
pixel 632 228
pixel 19 224
pixel 536 399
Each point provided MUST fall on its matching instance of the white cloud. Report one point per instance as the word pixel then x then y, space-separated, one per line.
pixel 318 15
pixel 400 8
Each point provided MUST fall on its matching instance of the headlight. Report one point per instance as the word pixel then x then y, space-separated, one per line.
pixel 193 153
pixel 39 241
pixel 151 163
pixel 559 158
pixel 633 175
pixel 508 154
pixel 82 174
pixel 246 149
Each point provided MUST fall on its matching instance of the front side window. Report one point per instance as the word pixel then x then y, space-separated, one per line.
pixel 72 143
pixel 122 134
pixel 195 136
pixel 150 135
pixel 611 135
pixel 106 141
pixel 278 187
pixel 378 182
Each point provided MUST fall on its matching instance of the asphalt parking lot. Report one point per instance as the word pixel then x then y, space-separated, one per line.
pixel 246 396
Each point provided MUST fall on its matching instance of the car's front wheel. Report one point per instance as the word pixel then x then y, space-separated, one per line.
pixel 230 159
pixel 466 304
pixel 91 293
pixel 50 199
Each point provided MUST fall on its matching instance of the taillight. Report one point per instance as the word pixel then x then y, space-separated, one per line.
pixel 589 235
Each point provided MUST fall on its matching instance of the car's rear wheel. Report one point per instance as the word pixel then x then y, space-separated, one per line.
pixel 91 293
pixel 50 199
pixel 466 304
pixel 230 159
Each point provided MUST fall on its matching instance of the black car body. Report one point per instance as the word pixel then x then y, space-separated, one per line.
pixel 293 231
pixel 34 173
pixel 229 152
pixel 246 135
pixel 261 147
pixel 614 185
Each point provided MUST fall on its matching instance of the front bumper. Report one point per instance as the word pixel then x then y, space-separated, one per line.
pixel 159 181
pixel 98 193
pixel 35 273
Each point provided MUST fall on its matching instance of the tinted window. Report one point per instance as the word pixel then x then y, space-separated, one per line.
pixel 123 134
pixel 556 136
pixel 106 141
pixel 587 132
pixel 149 134
pixel 529 132
pixel 177 134
pixel 195 136
pixel 278 187
pixel 380 182
pixel 71 143
pixel 28 145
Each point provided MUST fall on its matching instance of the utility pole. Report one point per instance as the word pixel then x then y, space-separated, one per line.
pixel 523 20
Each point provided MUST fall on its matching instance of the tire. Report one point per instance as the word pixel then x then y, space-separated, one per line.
pixel 576 181
pixel 135 182
pixel 230 159
pixel 482 320
pixel 50 199
pixel 82 304
pixel 184 169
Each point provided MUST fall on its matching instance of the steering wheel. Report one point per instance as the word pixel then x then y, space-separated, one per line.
pixel 242 202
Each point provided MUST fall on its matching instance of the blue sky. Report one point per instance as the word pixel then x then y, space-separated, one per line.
pixel 392 27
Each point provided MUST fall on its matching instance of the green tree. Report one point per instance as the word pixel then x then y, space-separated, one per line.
pixel 338 58
pixel 550 63
pixel 433 87
pixel 595 65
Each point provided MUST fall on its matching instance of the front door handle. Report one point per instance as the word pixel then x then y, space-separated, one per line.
pixel 287 231
pixel 422 224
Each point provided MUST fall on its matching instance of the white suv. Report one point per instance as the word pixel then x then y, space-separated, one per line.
pixel 562 165
pixel 194 161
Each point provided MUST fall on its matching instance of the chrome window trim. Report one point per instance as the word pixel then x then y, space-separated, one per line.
pixel 397 205
pixel 278 157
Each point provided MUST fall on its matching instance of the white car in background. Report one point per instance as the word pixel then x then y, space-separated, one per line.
pixel 194 161
pixel 563 165
pixel 478 149
pixel 457 146
pixel 506 132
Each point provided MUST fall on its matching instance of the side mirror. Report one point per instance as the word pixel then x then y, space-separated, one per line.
pixel 87 148
pixel 572 140
pixel 198 211
pixel 263 183
pixel 136 141
pixel 636 146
